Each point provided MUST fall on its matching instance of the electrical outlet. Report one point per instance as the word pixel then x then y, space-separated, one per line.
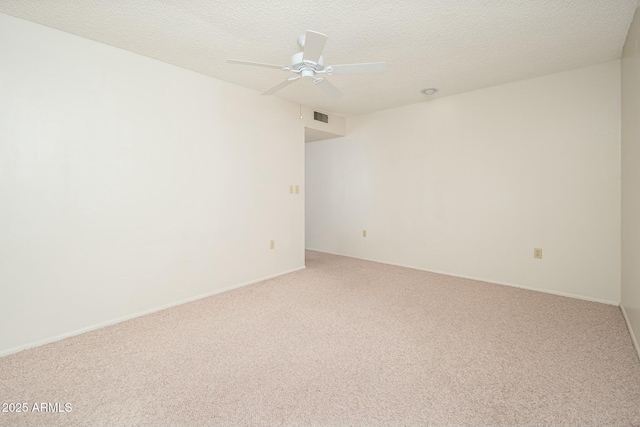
pixel 272 244
pixel 537 253
pixel 291 189
pixel 364 233
pixel 297 189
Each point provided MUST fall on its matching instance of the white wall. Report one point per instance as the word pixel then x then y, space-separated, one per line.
pixel 631 179
pixel 470 184
pixel 127 184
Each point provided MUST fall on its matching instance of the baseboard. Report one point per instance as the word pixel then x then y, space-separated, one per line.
pixel 480 279
pixel 633 335
pixel 138 314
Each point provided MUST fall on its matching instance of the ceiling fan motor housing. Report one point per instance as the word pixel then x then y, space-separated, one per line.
pixel 307 69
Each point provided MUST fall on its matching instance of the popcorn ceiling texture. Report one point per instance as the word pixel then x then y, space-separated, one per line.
pixel 344 342
pixel 456 46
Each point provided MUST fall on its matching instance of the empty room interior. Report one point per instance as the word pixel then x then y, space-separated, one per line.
pixel 365 213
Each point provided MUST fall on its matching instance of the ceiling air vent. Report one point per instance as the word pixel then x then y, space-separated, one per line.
pixel 320 117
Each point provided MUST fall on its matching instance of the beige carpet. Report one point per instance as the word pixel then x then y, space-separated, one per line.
pixel 344 342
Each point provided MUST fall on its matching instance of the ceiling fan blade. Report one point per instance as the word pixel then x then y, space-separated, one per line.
pixel 328 88
pixel 313 46
pixel 255 64
pixel 371 67
pixel 280 85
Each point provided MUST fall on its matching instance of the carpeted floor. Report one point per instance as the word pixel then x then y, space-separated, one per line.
pixel 344 342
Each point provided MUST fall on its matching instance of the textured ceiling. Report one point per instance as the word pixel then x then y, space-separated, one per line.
pixel 455 45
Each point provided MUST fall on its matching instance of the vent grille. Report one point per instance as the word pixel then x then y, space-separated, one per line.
pixel 320 117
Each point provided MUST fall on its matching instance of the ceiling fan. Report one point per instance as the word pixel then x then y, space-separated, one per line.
pixel 309 64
